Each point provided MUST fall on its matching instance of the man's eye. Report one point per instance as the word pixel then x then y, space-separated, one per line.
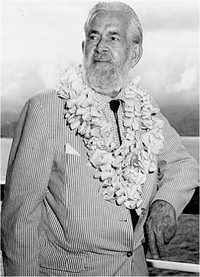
pixel 91 37
pixel 114 38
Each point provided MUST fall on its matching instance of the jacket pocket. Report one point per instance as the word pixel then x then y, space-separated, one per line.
pixel 71 262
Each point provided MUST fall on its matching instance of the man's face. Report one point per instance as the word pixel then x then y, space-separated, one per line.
pixel 108 52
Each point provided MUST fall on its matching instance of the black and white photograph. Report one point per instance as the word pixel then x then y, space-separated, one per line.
pixel 99 138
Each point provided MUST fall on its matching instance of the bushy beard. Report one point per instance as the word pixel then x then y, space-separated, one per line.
pixel 103 75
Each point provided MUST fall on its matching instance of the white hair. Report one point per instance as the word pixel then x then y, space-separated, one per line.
pixel 135 27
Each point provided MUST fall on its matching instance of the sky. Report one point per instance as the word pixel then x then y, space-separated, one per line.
pixel 39 38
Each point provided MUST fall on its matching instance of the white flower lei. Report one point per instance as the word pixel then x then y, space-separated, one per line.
pixel 122 171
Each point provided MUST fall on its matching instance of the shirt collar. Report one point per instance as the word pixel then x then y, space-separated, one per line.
pixel 103 100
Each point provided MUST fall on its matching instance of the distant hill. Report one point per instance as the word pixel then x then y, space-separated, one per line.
pixel 184 119
pixel 8 117
pixel 8 124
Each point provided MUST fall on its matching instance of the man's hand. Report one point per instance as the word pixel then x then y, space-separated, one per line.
pixel 160 228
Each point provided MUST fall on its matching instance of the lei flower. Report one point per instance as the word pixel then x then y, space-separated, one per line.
pixel 122 170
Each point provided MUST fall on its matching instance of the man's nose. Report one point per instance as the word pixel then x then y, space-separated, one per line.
pixel 101 46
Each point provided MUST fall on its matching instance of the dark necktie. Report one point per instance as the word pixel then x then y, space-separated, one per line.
pixel 114 106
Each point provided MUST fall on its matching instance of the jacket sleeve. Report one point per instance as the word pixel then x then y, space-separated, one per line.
pixel 181 172
pixel 27 178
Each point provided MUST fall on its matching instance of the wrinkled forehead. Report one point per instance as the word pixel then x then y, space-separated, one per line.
pixel 115 20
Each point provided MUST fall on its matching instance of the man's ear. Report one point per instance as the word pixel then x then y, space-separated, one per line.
pixel 83 46
pixel 137 54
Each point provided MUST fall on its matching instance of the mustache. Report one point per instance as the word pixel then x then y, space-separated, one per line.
pixel 102 57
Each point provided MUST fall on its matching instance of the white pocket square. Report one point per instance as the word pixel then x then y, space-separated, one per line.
pixel 70 150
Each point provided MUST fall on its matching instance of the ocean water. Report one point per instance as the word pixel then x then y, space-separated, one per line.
pixel 5 150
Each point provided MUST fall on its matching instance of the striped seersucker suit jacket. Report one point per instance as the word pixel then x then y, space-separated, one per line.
pixel 54 219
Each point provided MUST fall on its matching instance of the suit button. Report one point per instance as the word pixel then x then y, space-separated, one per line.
pixel 129 253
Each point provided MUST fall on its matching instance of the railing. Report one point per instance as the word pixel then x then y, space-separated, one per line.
pixel 188 267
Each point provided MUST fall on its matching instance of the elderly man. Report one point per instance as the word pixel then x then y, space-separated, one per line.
pixel 82 177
